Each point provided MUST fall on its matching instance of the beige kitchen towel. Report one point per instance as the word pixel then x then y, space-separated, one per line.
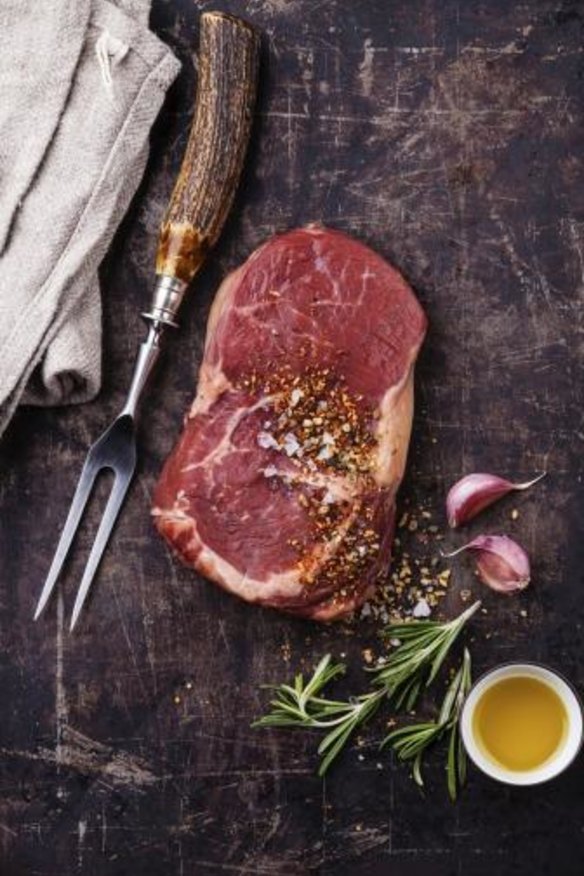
pixel 81 82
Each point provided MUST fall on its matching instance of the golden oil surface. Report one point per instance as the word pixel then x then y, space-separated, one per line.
pixel 520 722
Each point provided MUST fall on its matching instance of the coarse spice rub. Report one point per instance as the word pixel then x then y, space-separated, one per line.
pixel 321 428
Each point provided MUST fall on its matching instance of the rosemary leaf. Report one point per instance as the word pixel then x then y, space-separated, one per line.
pixel 451 765
pixel 417 771
pixel 334 743
pixel 462 761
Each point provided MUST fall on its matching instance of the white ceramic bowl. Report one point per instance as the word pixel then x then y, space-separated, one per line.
pixel 565 754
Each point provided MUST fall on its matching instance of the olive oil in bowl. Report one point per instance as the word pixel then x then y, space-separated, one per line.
pixel 522 724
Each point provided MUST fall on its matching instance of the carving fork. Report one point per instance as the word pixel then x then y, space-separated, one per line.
pixel 202 196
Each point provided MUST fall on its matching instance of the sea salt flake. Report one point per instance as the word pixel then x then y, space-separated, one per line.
pixel 267 441
pixel 324 453
pixel 422 609
pixel 291 444
pixel 270 471
pixel 295 396
pixel 327 439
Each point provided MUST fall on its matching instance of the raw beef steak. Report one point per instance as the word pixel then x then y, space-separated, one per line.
pixel 282 486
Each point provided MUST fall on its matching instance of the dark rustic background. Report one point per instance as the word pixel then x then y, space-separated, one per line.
pixel 448 135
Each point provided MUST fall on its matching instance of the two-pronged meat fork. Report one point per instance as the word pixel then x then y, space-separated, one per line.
pixel 202 196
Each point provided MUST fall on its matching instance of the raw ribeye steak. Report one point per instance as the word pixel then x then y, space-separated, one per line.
pixel 282 486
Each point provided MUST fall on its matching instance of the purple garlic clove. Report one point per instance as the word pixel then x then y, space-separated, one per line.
pixel 474 492
pixel 501 563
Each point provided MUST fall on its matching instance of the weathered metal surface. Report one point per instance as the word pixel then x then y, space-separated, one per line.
pixel 448 136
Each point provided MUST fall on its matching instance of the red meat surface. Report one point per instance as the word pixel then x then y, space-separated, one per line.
pixel 282 486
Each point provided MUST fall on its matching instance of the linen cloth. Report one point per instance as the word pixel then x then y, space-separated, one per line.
pixel 81 82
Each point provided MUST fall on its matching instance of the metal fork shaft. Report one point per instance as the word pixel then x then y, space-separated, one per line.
pixel 110 515
pixel 88 474
pixel 147 358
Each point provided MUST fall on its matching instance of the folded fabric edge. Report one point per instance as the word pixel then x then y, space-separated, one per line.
pixel 150 48
pixel 69 371
pixel 64 389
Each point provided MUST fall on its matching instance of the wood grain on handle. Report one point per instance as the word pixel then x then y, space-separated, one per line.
pixel 209 175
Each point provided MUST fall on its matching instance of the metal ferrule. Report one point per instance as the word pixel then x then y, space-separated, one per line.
pixel 147 357
pixel 166 300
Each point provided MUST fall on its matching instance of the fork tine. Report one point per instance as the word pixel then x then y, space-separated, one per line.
pixel 84 485
pixel 110 514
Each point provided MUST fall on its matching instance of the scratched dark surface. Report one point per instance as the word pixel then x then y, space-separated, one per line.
pixel 449 136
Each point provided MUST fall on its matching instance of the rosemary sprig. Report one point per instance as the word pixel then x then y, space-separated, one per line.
pixel 423 648
pixel 301 705
pixel 410 743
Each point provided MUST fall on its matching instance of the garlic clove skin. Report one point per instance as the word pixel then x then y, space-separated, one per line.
pixel 498 574
pixel 502 564
pixel 474 492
